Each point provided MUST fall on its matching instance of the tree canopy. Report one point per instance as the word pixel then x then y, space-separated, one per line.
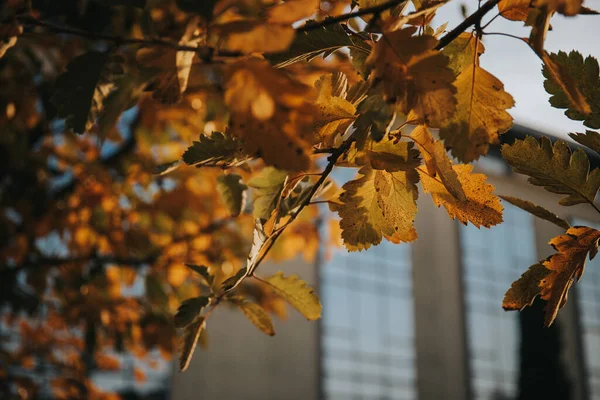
pixel 109 239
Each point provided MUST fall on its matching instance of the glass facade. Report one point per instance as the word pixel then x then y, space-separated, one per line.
pixel 588 299
pixel 492 259
pixel 368 326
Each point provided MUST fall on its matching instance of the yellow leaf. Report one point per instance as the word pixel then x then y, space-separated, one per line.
pixel 257 315
pixel 515 10
pixel 378 204
pixel 437 161
pixel 414 75
pixel 270 114
pixel 481 111
pixel 482 207
pixel 296 292
pixel 251 36
pixel 292 11
pixel 335 112
pixel 559 74
pixel 190 339
pixel 566 7
pixel 559 271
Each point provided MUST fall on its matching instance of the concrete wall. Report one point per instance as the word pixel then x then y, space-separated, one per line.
pixel 243 363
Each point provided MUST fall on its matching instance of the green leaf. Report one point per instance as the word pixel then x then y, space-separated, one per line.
pixel 536 210
pixel 216 150
pixel 589 139
pixel 232 192
pixel 267 189
pixel 202 271
pixel 189 310
pixel 524 290
pixel 190 339
pixel 554 168
pixel 257 315
pixel 75 92
pixel 297 292
pixel 308 45
pixel 584 77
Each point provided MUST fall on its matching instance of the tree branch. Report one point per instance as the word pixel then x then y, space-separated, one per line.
pixel 311 26
pixel 471 20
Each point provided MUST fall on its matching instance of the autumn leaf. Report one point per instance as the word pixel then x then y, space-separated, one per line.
pixel 296 292
pixel 258 240
pixel 267 187
pixel 481 208
pixel 536 210
pixel 232 192
pixel 270 114
pixel 515 10
pixel 189 310
pixel 255 314
pixel 437 161
pixel 216 150
pixel 554 168
pixel 574 84
pixel 335 113
pixel 589 139
pixel 481 110
pixel 566 7
pixel 560 271
pixel 560 82
pixel 414 75
pixel 190 339
pixel 292 10
pixel 202 271
pixel 75 90
pixel 375 119
pixel 378 204
pixel 310 44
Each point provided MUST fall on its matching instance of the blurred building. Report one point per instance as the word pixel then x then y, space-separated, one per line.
pixel 421 321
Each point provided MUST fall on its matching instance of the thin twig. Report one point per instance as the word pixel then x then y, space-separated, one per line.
pixel 311 26
pixel 471 20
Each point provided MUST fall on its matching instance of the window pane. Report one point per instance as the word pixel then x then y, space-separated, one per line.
pixel 588 299
pixel 492 259
pixel 368 339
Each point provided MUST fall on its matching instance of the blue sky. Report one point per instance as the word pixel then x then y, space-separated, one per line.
pixel 520 69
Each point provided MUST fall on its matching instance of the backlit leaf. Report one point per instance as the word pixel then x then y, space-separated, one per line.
pixel 437 161
pixel 538 211
pixel 297 292
pixel 378 204
pixel 190 339
pixel 257 315
pixel 482 207
pixel 414 75
pixel 481 110
pixel 267 187
pixel 562 269
pixel 218 149
pixel 515 10
pixel 189 310
pixel 582 74
pixel 554 168
pixel 232 192
pixel 561 72
pixel 309 44
pixel 270 114
pixel 335 113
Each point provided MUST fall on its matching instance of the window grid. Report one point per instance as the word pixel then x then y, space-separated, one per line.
pixel 492 260
pixel 368 338
pixel 588 299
